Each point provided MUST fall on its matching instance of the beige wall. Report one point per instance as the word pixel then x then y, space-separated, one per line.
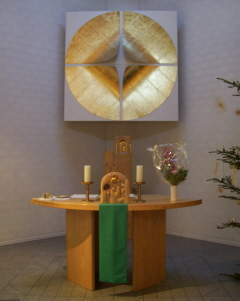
pixel 40 152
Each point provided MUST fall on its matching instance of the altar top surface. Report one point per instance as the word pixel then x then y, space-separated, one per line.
pixel 152 202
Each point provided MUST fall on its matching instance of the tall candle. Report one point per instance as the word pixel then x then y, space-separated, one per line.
pixel 139 173
pixel 87 173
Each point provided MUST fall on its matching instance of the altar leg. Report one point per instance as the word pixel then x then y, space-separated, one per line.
pixel 80 247
pixel 149 248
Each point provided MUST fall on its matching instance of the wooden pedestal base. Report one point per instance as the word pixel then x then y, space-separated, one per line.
pixel 149 248
pixel 149 232
pixel 80 247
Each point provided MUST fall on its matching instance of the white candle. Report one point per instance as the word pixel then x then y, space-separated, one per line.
pixel 87 173
pixel 139 173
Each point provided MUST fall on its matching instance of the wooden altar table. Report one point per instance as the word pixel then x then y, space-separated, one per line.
pixel 148 238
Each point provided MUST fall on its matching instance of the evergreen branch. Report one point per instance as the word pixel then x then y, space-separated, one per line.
pixel 226 183
pixel 229 224
pixel 232 85
pixel 231 156
pixel 230 197
pixel 235 276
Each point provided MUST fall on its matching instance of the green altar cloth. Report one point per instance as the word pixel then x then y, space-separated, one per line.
pixel 113 243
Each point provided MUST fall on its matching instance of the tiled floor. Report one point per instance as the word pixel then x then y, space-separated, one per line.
pixel 36 271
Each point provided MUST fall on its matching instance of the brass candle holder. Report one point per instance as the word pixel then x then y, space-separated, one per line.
pixel 139 184
pixel 87 191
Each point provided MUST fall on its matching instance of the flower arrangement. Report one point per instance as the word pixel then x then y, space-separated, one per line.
pixel 173 172
pixel 174 177
pixel 171 162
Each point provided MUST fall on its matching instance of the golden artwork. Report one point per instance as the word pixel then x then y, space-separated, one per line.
pixel 96 88
pixel 144 40
pixel 96 41
pixel 121 66
pixel 145 88
pixel 114 189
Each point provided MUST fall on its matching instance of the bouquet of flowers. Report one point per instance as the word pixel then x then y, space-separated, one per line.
pixel 171 162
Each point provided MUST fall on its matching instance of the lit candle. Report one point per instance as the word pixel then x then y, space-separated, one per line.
pixel 139 173
pixel 87 173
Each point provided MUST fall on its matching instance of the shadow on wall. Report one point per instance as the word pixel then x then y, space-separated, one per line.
pixel 92 128
pixel 109 130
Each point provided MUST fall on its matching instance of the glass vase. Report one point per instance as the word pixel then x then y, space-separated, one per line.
pixel 171 163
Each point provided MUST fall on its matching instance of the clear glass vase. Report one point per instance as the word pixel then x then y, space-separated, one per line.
pixel 171 163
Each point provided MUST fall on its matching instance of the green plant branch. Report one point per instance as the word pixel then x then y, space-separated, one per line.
pixel 230 224
pixel 226 183
pixel 235 276
pixel 174 178
pixel 232 85
pixel 231 156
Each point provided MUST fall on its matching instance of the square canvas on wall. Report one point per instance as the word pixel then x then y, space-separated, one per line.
pixel 121 66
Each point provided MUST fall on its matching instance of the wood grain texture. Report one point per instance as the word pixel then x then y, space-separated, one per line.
pixel 149 248
pixel 149 238
pixel 80 248
pixel 153 202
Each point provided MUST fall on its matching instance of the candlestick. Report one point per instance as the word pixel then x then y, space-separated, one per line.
pixel 87 173
pixel 87 192
pixel 139 184
pixel 139 173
